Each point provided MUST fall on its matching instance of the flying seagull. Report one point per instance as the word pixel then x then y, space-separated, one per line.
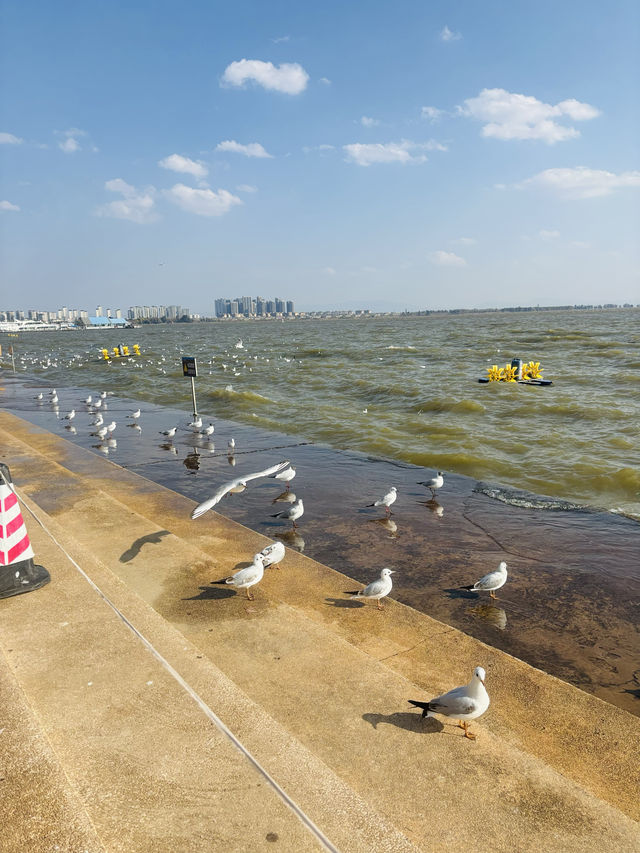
pixel 233 484
pixel 387 499
pixel 377 589
pixel 464 703
pixel 434 483
pixel 490 582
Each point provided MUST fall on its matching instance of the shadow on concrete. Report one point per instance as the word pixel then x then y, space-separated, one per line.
pixel 136 547
pixel 344 602
pixel 407 720
pixel 209 592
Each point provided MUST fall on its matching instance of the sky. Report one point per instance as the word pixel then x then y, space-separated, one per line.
pixel 402 155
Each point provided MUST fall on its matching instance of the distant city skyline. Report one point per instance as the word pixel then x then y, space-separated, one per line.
pixel 383 156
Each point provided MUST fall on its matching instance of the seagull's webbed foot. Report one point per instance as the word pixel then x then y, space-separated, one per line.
pixel 493 595
pixel 467 733
pixel 380 606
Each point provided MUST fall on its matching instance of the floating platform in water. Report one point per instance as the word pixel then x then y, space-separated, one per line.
pixel 486 381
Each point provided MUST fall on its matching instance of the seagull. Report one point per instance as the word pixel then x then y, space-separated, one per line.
pixel 101 433
pixel 168 432
pixel 88 400
pixel 245 578
pixel 240 345
pixel 135 415
pixel 465 703
pixel 377 589
pixel 209 430
pixel 285 498
pixel 54 398
pixel 53 392
pixel 490 582
pixel 232 484
pixel 70 416
pixel 231 446
pixel 295 511
pixel 273 554
pixel 38 397
pixel 111 427
pixel 387 500
pixel 196 423
pixel 435 483
pixel 98 420
pixel 97 404
pixel 286 476
pixel 103 395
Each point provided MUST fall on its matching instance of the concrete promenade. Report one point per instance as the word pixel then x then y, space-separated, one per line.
pixel 101 749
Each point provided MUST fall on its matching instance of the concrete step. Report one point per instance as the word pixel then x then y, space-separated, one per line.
pixel 337 678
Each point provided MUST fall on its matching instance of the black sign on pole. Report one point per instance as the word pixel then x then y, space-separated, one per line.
pixel 189 366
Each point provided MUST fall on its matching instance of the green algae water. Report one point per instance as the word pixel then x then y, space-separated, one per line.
pixel 403 388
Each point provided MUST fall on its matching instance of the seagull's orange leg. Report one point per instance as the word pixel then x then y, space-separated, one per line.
pixel 467 733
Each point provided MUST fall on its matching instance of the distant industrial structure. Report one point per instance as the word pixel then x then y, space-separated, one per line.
pixel 249 306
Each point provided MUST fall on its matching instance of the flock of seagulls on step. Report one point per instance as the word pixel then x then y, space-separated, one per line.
pixel 464 703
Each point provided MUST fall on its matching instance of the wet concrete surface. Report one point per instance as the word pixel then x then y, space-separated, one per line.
pixel 570 606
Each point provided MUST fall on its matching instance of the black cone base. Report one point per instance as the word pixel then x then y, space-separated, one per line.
pixel 21 577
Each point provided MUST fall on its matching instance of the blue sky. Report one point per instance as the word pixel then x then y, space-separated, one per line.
pixel 389 155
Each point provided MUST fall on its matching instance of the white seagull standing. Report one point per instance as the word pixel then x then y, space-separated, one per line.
pixel 169 433
pixel 111 427
pixel 233 484
pixel 231 446
pixel 489 583
pixel 434 483
pixel 208 430
pixel 294 512
pixel 70 416
pixel 286 476
pixel 196 423
pixel 245 578
pixel 135 415
pixel 273 554
pixel 464 703
pixel 377 589
pixel 387 500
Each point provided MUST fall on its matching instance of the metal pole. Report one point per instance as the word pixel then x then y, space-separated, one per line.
pixel 13 361
pixel 193 396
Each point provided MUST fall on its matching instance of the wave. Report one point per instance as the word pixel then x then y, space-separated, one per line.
pixel 408 347
pixel 518 497
pixel 438 404
pixel 228 394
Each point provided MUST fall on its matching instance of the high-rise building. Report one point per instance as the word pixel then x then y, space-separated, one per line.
pixel 290 309
pixel 280 306
pixel 245 305
pixel 99 311
pixel 220 306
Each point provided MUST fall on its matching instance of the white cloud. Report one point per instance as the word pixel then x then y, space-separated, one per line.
pixel 9 139
pixel 178 163
pixel 449 35
pixel 136 205
pixel 281 39
pixel 465 241
pixel 365 121
pixel 512 116
pixel 548 235
pixel 246 188
pixel 365 154
pixel 432 113
pixel 253 149
pixel 447 259
pixel 69 142
pixel 582 182
pixel 6 205
pixel 202 202
pixel 289 77
pixel 325 81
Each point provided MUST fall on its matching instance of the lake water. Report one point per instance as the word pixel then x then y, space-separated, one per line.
pixel 402 388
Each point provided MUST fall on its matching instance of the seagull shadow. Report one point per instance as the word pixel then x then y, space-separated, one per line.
pixel 243 565
pixel 462 593
pixel 209 592
pixel 136 547
pixel 344 602
pixel 406 720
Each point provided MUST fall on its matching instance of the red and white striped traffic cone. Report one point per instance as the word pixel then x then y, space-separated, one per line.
pixel 18 572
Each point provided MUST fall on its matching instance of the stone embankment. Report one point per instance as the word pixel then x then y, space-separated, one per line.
pixel 103 749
